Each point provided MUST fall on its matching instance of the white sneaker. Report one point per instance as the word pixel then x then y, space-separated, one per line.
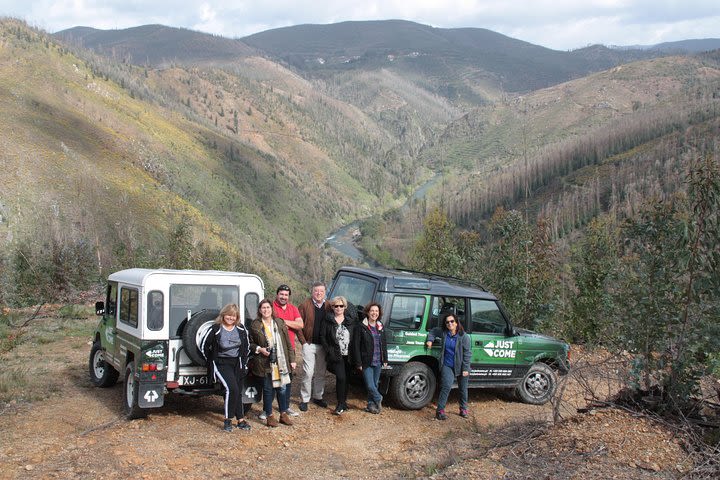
pixel 262 415
pixel 292 412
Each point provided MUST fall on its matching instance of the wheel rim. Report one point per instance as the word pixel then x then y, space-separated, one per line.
pixel 99 364
pixel 537 384
pixel 416 387
pixel 201 332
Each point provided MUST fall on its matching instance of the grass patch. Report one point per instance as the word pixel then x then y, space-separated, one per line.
pixel 76 311
pixel 13 379
pixel 37 357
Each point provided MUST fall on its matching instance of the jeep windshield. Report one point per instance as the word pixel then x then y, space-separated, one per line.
pixel 356 290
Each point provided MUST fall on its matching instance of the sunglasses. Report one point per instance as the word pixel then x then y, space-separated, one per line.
pixel 449 322
pixel 338 306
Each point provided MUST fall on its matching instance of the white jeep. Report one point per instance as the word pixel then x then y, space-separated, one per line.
pixel 152 321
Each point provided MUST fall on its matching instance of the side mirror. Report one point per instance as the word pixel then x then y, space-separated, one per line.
pixel 99 308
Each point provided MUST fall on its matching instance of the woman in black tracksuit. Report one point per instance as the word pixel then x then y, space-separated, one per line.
pixel 226 348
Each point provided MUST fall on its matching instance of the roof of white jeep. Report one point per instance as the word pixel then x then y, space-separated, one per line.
pixel 137 276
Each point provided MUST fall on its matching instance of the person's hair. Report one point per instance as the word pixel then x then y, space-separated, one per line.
pixel 283 287
pixel 317 284
pixel 263 302
pixel 458 325
pixel 366 310
pixel 338 299
pixel 229 309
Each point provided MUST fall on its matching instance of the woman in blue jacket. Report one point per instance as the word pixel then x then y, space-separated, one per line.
pixel 454 362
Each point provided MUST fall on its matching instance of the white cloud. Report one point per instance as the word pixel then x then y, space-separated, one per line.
pixel 560 24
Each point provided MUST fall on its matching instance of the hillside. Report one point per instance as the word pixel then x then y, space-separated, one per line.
pixel 216 160
pixel 113 161
pixel 570 151
pixel 156 45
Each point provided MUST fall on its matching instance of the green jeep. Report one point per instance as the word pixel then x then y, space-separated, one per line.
pixel 152 322
pixel 413 302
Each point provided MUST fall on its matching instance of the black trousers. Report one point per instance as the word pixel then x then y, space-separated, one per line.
pixel 340 369
pixel 229 373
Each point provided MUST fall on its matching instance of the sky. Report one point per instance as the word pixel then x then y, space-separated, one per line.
pixel 557 24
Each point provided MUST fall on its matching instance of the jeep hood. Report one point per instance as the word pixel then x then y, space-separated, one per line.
pixel 529 333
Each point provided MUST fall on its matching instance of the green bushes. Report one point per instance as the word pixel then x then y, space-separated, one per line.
pixel 647 286
pixel 48 271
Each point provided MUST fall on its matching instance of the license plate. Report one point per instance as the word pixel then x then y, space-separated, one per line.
pixel 195 380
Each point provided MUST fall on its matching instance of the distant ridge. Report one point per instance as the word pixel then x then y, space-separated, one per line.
pixel 467 65
pixel 516 65
pixel 156 45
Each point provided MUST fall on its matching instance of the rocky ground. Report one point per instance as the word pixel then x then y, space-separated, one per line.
pixel 76 430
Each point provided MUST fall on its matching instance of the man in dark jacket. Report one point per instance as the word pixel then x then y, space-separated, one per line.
pixel 313 312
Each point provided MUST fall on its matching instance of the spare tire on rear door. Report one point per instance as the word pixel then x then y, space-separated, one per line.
pixel 195 328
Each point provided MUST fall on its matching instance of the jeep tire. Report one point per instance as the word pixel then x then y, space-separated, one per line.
pixel 132 410
pixel 538 385
pixel 102 374
pixel 414 386
pixel 195 327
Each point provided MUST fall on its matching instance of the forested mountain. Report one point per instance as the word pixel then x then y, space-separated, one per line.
pixel 570 152
pixel 166 147
pixel 156 45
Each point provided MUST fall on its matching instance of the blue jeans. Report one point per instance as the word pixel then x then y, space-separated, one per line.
pixel 447 377
pixel 283 396
pixel 371 375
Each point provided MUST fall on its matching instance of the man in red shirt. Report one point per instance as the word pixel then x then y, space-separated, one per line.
pixel 290 314
pixel 287 311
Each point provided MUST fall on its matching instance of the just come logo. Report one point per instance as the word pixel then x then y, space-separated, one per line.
pixel 500 349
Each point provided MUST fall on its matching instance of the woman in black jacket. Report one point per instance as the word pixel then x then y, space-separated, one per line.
pixel 370 353
pixel 336 337
pixel 226 349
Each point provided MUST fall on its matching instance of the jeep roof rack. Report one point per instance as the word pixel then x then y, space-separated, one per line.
pixel 436 276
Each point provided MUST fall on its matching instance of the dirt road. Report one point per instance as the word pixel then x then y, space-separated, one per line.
pixel 60 426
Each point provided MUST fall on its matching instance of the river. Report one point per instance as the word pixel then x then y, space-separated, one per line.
pixel 343 239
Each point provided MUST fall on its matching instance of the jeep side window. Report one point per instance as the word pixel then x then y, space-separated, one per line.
pixel 443 305
pixel 486 317
pixel 111 303
pixel 251 307
pixel 155 310
pixel 129 306
pixel 407 312
pixel 357 291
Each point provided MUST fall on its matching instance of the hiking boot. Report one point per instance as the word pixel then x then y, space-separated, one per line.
pixel 285 419
pixel 303 406
pixel 463 412
pixel 227 425
pixel 243 425
pixel 440 415
pixel 320 402
pixel 272 421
